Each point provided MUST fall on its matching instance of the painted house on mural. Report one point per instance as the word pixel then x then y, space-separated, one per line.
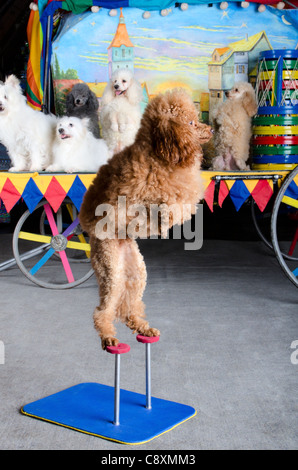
pixel 234 63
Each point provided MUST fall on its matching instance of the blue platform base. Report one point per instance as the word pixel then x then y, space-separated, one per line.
pixel 89 408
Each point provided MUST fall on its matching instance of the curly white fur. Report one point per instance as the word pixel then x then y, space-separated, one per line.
pixel 232 128
pixel 120 116
pixel 75 148
pixel 27 134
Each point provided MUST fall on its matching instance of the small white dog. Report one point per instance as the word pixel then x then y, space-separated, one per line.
pixel 120 115
pixel 75 149
pixel 27 134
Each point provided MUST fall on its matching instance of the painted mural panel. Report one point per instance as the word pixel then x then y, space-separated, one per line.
pixel 203 49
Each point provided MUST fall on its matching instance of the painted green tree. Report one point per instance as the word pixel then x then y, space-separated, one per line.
pixel 60 89
pixel 59 74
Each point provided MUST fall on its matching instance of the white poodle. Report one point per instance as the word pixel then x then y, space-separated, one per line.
pixel 120 116
pixel 27 134
pixel 232 128
pixel 75 148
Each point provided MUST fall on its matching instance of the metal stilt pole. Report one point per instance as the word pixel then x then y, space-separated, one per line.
pixel 121 348
pixel 147 340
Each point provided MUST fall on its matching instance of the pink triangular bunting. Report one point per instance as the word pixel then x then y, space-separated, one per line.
pixel 262 193
pixel 209 195
pixel 55 194
pixel 222 193
pixel 9 195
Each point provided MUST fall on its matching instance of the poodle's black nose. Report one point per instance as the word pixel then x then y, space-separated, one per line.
pixel 61 130
pixel 78 101
pixel 116 87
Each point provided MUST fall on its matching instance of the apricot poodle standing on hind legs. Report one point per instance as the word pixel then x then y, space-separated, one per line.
pixel 162 167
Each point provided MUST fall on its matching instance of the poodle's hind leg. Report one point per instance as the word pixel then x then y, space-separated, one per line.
pixel 107 262
pixel 241 155
pixel 132 307
pixel 218 163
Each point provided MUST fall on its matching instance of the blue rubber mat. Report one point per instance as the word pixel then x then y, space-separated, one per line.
pixel 89 408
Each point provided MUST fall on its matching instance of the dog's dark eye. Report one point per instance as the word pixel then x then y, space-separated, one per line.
pixel 236 89
pixel 192 123
pixel 70 124
pixel 123 81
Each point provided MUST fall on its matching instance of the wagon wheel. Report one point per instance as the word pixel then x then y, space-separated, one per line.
pixel 287 198
pixel 65 212
pixel 262 223
pixel 34 252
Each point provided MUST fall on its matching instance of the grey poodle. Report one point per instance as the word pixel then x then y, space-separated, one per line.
pixel 82 102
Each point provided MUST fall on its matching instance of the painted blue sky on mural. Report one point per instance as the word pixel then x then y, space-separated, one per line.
pixel 174 48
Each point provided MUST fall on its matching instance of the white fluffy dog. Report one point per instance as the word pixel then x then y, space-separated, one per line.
pixel 75 149
pixel 27 134
pixel 120 115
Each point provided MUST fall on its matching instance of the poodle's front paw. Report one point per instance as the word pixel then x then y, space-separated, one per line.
pixel 242 165
pixel 114 127
pixel 14 169
pixel 35 168
pixel 108 341
pixel 151 332
pixel 50 168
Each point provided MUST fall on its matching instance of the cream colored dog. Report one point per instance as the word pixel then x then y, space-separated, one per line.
pixel 231 122
pixel 120 116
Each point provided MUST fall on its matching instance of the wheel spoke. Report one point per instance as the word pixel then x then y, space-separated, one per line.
pixel 290 201
pixel 66 266
pixel 79 246
pixel 42 261
pixel 51 219
pixel 35 237
pixel 80 235
pixel 62 254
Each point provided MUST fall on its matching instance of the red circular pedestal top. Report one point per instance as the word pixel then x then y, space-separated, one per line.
pixel 121 348
pixel 147 339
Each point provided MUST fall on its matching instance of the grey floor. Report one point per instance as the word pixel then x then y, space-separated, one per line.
pixel 227 316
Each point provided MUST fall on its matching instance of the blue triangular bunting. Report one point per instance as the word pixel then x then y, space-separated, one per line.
pixel 31 195
pixel 76 192
pixel 239 193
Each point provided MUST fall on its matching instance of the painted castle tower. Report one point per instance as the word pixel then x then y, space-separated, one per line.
pixel 120 51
